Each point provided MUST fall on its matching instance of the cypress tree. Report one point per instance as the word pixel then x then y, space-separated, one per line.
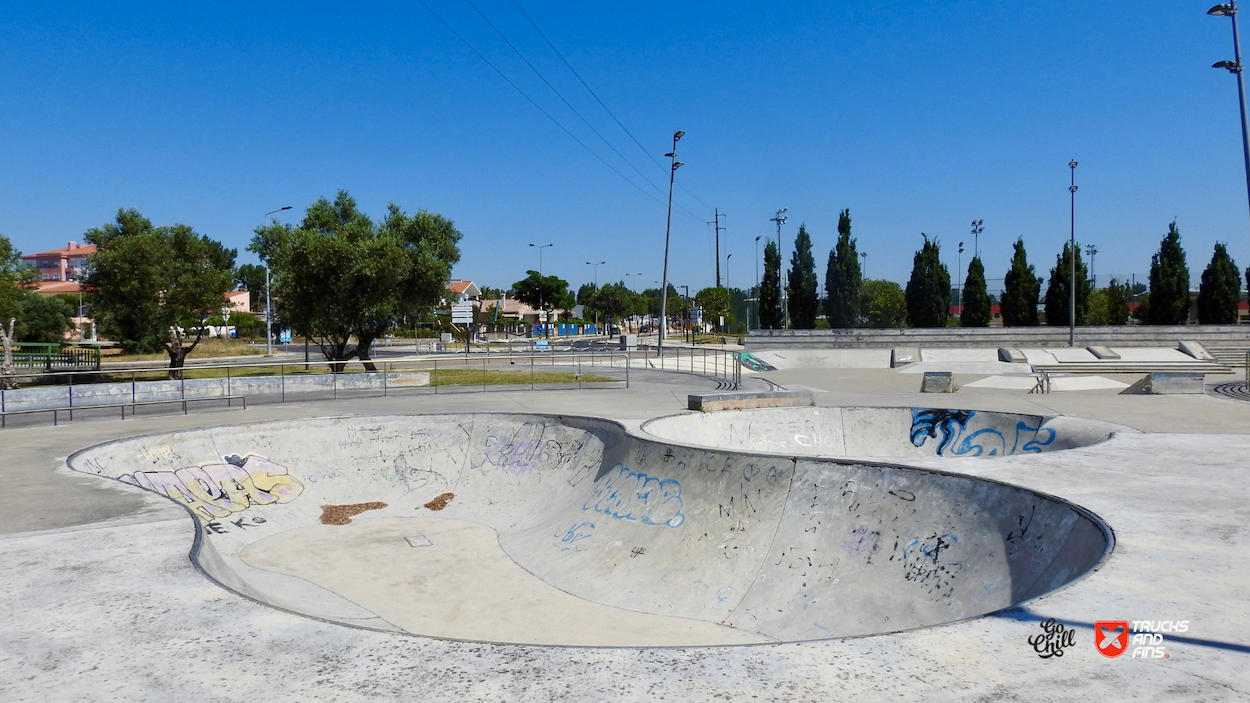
pixel 843 278
pixel 976 312
pixel 928 291
pixel 1020 291
pixel 770 291
pixel 1168 300
pixel 1058 292
pixel 1219 291
pixel 801 283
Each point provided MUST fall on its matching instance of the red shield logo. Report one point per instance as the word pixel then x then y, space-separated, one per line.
pixel 1111 637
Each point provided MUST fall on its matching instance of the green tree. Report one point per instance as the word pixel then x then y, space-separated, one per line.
pixel 843 278
pixel 615 301
pixel 1021 290
pixel 928 290
pixel 1220 290
pixel 251 278
pixel 651 301
pixel 585 293
pixel 547 293
pixel 801 283
pixel 338 276
pixel 715 304
pixel 976 301
pixel 1108 306
pixel 1058 292
pixel 1167 303
pixel 44 318
pixel 154 287
pixel 13 275
pixel 883 303
pixel 770 290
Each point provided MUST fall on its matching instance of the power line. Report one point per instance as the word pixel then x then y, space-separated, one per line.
pixel 536 105
pixel 600 101
pixel 558 95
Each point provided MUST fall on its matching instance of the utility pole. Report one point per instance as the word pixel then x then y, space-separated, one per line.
pixel 718 229
pixel 668 231
pixel 1092 251
pixel 780 219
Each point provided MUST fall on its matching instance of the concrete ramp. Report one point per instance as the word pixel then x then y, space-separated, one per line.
pixel 563 530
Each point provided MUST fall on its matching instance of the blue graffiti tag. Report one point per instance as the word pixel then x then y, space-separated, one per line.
pixel 576 533
pixel 927 422
pixel 627 495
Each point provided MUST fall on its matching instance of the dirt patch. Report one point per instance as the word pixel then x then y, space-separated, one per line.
pixel 342 514
pixel 440 502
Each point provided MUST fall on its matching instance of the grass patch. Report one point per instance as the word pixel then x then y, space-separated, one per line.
pixel 471 377
pixel 207 349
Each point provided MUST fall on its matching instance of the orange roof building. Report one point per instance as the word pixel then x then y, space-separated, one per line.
pixel 60 264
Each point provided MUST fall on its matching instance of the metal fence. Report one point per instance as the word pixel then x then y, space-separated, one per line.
pixel 279 382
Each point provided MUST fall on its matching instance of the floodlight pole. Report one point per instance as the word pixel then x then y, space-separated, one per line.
pixel 1230 10
pixel 1072 260
pixel 269 303
pixel 668 230
pixel 780 219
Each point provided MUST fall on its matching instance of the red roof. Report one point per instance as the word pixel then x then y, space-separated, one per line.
pixel 73 248
pixel 459 286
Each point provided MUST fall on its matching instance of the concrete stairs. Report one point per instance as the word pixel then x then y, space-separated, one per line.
pixel 1134 367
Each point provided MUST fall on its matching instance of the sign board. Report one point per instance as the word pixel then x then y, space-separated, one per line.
pixel 540 346
pixel 462 313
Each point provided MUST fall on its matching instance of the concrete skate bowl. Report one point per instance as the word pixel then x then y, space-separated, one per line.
pixel 550 530
pixel 880 432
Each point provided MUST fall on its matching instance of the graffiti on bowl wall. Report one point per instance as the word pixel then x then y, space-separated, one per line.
pixel 215 491
pixel 958 439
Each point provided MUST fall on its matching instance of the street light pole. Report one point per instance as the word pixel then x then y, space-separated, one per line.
pixel 863 271
pixel 1072 260
pixel 1230 10
pixel 757 281
pixel 540 283
pixel 1092 251
pixel 269 303
pixel 596 264
pixel 668 230
pixel 977 229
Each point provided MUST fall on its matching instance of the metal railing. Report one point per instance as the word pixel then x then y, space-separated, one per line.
pixel 5 415
pixel 448 373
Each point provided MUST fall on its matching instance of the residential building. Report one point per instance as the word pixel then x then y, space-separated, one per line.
pixel 60 264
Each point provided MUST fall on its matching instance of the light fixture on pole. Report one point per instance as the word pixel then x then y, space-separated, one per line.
pixel 540 248
pixel 668 230
pixel 780 219
pixel 269 306
pixel 977 228
pixel 863 270
pixel 727 258
pixel 1230 10
pixel 1072 260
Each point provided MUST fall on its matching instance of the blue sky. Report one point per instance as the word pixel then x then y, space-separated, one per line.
pixel 919 117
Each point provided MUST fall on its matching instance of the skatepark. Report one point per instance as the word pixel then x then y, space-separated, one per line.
pixel 612 544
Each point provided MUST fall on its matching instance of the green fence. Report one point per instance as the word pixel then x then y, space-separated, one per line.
pixel 54 357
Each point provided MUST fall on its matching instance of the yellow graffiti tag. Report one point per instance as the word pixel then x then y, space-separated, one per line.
pixel 215 491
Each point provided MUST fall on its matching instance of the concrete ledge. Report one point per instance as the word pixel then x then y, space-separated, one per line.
pixel 1196 350
pixel 741 400
pixel 1102 352
pixel 902 356
pixel 937 382
pixel 992 337
pixel 1011 356
pixel 1167 383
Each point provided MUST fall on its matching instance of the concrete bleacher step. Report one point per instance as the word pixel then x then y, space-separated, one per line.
pixel 1229 356
pixel 1133 367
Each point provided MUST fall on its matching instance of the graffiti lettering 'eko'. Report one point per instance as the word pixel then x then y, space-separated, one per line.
pixel 627 495
pixel 215 491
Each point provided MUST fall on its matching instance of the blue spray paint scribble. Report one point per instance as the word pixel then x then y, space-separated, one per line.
pixel 576 533
pixel 927 422
pixel 952 424
pixel 627 495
